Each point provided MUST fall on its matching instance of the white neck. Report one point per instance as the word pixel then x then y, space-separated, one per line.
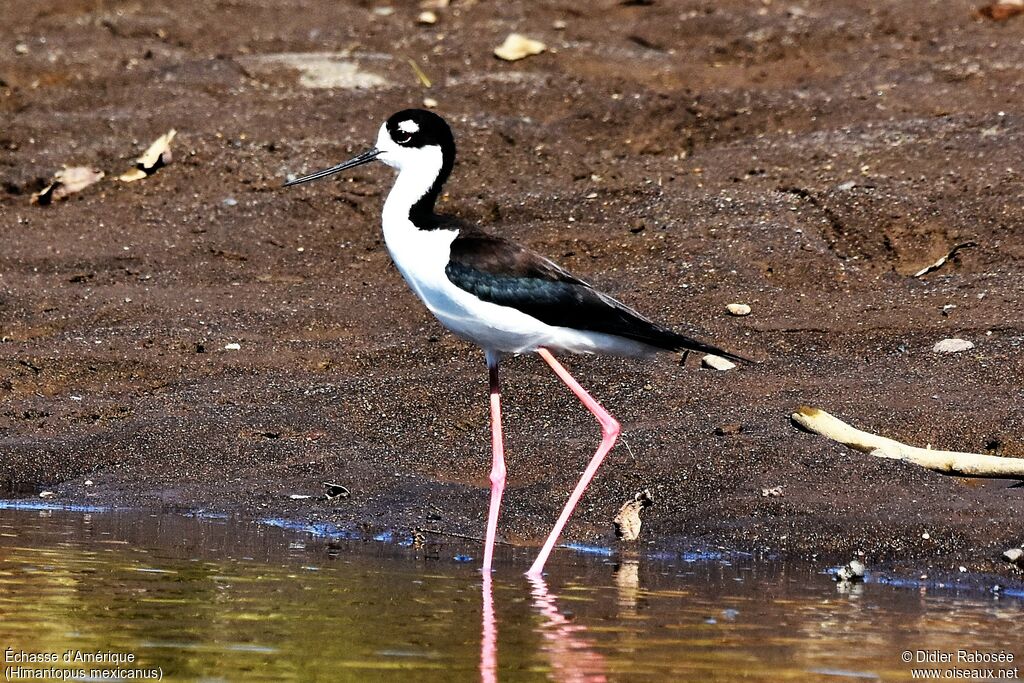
pixel 416 174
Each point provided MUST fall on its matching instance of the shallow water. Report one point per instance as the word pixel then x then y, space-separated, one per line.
pixel 223 600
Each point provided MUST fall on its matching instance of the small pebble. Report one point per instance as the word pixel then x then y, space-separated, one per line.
pixel 47 494
pixel 926 535
pixel 559 24
pixel 426 18
pixel 21 49
pixel 1014 555
pixel 383 11
pixel 429 103
pixel 233 346
pixel 952 346
pixel 729 429
pixel 299 496
pixel 738 309
pixel 88 482
pixel 717 362
pixel 230 201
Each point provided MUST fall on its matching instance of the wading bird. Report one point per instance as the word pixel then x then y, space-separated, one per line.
pixel 497 294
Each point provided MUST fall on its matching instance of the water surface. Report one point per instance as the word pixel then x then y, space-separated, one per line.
pixel 224 600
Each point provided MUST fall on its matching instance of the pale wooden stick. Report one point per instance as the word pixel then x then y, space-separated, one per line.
pixel 947 462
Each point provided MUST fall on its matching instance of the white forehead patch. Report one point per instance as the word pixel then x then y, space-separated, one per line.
pixel 408 126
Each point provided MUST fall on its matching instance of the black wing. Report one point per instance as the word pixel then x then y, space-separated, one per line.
pixel 508 274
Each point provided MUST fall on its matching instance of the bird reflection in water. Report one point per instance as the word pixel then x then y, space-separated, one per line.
pixel 489 636
pixel 571 656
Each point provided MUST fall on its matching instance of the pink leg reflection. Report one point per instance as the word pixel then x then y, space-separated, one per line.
pixel 489 636
pixel 572 656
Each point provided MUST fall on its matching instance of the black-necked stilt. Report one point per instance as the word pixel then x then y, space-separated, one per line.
pixel 498 294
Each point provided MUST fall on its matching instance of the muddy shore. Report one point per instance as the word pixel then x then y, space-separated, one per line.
pixel 804 159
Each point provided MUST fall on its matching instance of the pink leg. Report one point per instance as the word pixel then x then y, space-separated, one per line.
pixel 498 463
pixel 609 432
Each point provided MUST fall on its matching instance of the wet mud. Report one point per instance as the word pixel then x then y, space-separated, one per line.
pixel 801 158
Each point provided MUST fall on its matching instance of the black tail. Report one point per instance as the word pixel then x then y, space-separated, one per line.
pixel 680 342
pixel 629 324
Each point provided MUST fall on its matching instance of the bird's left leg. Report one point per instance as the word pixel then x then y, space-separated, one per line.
pixel 609 433
pixel 498 460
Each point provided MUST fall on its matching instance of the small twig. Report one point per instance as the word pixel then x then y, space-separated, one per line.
pixel 419 73
pixel 622 438
pixel 942 261
pixel 946 462
pixel 438 532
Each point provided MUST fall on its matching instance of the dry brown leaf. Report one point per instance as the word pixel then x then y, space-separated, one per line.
pixel 627 522
pixel 156 157
pixel 1002 10
pixel 517 47
pixel 67 181
pixel 952 252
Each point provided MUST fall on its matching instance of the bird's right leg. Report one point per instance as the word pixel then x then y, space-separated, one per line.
pixel 610 429
pixel 498 460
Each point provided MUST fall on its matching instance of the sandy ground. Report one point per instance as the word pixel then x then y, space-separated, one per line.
pixel 804 158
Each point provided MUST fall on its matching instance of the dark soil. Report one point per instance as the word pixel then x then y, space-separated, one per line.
pixel 805 158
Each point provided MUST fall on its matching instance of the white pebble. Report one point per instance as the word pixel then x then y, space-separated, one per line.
pixel 517 47
pixel 717 362
pixel 233 346
pixel 429 102
pixel 738 309
pixel 952 346
pixel 1013 555
pixel 426 18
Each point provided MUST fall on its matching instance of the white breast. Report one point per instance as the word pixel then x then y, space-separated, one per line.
pixel 422 256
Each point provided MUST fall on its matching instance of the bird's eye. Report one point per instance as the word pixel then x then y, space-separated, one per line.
pixel 401 137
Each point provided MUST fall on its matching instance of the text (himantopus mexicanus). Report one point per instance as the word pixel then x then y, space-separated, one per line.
pixel 497 294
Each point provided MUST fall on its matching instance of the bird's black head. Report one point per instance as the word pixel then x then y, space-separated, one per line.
pixel 418 128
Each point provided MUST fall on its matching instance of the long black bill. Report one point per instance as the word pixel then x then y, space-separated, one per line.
pixel 364 158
